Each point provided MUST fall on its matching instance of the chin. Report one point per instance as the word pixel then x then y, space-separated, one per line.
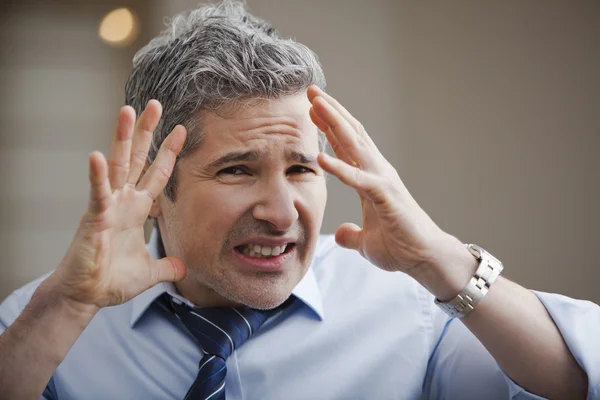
pixel 263 291
pixel 263 301
pixel 262 296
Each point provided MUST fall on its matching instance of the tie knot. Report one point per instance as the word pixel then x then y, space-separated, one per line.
pixel 219 330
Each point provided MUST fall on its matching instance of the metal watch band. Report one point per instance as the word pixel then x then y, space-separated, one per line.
pixel 488 271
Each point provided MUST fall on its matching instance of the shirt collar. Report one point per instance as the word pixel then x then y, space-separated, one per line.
pixel 307 290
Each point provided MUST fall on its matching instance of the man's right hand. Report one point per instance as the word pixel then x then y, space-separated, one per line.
pixel 107 263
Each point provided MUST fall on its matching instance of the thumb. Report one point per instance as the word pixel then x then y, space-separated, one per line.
pixel 349 235
pixel 169 269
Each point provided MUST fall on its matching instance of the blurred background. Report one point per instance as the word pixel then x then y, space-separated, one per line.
pixel 490 111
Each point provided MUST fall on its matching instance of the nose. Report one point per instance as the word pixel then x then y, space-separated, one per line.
pixel 277 205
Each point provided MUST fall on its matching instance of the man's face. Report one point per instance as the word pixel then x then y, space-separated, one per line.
pixel 253 185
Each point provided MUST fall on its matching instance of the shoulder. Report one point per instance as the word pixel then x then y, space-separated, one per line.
pixel 337 267
pixel 331 256
pixel 331 252
pixel 14 304
pixel 352 286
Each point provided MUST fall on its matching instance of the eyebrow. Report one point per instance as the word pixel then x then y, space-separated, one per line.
pixel 255 155
pixel 234 157
pixel 301 158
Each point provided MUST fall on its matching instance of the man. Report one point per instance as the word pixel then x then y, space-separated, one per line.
pixel 236 293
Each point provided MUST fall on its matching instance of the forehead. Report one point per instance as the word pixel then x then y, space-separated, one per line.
pixel 260 123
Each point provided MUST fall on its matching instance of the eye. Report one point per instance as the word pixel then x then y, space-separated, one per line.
pixel 236 171
pixel 299 169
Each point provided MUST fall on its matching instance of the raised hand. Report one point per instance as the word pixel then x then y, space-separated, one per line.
pixel 107 262
pixel 397 235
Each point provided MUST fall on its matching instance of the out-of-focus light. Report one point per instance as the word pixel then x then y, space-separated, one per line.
pixel 118 27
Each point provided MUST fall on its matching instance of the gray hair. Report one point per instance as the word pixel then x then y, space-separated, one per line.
pixel 217 57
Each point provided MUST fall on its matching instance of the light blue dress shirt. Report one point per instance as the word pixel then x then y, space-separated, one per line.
pixel 357 333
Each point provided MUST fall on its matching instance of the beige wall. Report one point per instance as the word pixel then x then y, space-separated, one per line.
pixel 61 89
pixel 489 110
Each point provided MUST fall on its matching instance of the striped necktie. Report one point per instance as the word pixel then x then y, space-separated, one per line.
pixel 219 331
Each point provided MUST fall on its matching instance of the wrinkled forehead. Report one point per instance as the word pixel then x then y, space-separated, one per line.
pixel 260 126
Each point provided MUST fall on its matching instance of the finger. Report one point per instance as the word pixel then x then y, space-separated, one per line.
pixel 363 182
pixel 142 138
pixel 120 149
pixel 349 141
pixel 167 269
pixel 349 236
pixel 317 121
pixel 158 174
pixel 331 139
pixel 315 91
pixel 100 191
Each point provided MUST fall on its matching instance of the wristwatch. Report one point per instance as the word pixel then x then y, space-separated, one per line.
pixel 487 273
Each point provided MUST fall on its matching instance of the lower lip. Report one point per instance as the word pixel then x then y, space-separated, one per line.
pixel 273 264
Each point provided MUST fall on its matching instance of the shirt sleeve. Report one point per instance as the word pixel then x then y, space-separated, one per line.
pixel 461 367
pixel 11 308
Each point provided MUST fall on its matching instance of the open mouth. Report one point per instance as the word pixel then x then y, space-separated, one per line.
pixel 259 251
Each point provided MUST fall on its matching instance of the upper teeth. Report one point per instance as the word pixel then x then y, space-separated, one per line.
pixel 257 249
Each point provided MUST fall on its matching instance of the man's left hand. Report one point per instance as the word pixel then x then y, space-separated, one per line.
pixel 396 233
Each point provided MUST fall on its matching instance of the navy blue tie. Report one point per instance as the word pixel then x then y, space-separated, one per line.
pixel 219 331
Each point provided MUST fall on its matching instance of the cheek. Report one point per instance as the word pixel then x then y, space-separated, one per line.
pixel 208 216
pixel 211 213
pixel 315 198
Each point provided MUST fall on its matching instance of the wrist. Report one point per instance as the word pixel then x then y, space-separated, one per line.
pixel 55 295
pixel 448 269
pixel 39 340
